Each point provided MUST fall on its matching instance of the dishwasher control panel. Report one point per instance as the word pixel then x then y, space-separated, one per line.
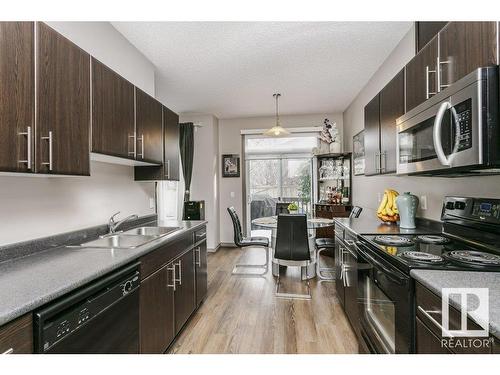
pixel 60 320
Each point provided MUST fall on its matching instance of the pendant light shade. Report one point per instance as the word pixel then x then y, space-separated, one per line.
pixel 277 130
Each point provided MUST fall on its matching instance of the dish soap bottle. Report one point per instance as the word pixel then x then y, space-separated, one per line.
pixel 407 205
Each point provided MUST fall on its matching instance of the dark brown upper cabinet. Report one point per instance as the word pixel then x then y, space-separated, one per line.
pixel 392 106
pixel 113 128
pixel 149 129
pixel 17 93
pixel 372 137
pixel 63 105
pixel 425 31
pixel 169 170
pixel 464 47
pixel 421 76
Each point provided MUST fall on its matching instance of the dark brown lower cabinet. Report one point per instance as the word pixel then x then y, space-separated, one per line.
pixel 339 273
pixel 185 290
pixel 157 311
pixel 16 337
pixel 351 289
pixel 201 266
pixel 427 342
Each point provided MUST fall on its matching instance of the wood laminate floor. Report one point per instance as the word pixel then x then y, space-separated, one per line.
pixel 242 315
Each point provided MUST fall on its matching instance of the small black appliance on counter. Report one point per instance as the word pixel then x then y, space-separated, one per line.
pixel 194 210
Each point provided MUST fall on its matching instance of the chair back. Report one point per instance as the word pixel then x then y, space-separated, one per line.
pixel 292 242
pixel 356 211
pixel 282 208
pixel 238 235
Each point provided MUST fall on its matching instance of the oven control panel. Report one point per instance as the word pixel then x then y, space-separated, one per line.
pixel 477 209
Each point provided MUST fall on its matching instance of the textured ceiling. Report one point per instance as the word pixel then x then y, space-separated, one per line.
pixel 231 69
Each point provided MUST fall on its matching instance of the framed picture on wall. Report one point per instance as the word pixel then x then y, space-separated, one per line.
pixel 358 153
pixel 231 165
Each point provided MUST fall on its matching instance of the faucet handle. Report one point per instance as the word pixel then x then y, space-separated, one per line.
pixel 112 218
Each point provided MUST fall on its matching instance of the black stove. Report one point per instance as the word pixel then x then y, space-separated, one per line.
pixel 469 241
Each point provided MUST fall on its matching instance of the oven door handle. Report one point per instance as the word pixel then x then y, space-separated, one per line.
pixel 400 280
pixel 436 135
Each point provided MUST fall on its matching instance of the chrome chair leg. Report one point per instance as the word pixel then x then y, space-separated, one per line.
pixel 264 266
pixel 320 269
pixel 306 296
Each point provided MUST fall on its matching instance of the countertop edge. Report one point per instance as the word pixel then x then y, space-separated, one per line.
pixel 48 297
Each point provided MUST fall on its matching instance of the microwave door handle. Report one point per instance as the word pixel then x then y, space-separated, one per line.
pixel 436 135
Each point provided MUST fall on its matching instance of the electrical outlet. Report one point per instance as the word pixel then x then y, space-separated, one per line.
pixel 423 202
pixel 379 197
pixel 232 194
pixel 151 203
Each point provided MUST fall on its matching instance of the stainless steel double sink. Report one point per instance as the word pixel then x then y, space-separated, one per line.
pixel 130 239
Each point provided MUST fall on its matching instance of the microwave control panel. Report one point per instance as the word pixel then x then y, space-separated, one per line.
pixel 463 116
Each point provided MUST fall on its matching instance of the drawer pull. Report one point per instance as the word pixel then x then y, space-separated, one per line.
pixel 9 351
pixel 428 315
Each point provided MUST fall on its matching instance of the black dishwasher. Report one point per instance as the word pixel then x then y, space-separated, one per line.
pixel 102 317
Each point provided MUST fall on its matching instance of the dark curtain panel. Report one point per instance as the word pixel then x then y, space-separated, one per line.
pixel 186 145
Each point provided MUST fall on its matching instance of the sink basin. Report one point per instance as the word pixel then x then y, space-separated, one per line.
pixel 152 231
pixel 120 241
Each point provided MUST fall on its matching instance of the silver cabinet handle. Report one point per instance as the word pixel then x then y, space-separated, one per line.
pixel 440 85
pixel 168 168
pixel 27 133
pixel 134 151
pixel 9 351
pixel 428 93
pixel 179 280
pixel 141 138
pixel 49 138
pixel 197 251
pixel 173 277
pixel 428 315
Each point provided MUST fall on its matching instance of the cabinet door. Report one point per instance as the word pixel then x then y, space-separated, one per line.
pixel 157 311
pixel 464 47
pixel 392 106
pixel 16 337
pixel 339 272
pixel 200 257
pixel 421 79
pixel 372 137
pixel 113 130
pixel 425 31
pixel 63 110
pixel 171 125
pixel 351 290
pixel 185 291
pixel 149 142
pixel 17 107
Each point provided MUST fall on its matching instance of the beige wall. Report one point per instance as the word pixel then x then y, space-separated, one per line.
pixel 34 207
pixel 230 143
pixel 366 189
pixel 205 179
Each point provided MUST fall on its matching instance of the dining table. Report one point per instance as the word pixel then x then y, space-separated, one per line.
pixel 271 223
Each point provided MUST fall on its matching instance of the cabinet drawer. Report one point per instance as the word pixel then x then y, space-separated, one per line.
pixel 427 342
pixel 429 311
pixel 200 234
pixel 17 336
pixel 161 256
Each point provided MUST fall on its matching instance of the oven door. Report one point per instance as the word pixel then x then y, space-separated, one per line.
pixel 444 136
pixel 384 304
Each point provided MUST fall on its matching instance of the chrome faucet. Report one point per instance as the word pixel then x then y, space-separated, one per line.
pixel 113 225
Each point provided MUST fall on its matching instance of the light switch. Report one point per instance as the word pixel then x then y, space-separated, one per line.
pixel 151 203
pixel 423 202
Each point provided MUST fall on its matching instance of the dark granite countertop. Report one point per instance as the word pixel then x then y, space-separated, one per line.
pixel 31 281
pixel 436 280
pixel 370 224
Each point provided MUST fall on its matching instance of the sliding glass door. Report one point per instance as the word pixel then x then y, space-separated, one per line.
pixel 280 176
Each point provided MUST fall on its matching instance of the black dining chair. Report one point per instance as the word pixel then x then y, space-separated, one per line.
pixel 292 249
pixel 282 208
pixel 241 241
pixel 328 244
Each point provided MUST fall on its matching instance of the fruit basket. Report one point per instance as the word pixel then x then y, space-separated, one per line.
pixel 388 210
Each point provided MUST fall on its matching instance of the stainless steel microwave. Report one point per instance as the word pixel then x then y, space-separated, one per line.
pixel 454 133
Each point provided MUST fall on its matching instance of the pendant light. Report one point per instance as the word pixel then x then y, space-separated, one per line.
pixel 277 130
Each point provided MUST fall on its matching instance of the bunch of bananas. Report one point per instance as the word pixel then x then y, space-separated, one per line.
pixel 388 210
